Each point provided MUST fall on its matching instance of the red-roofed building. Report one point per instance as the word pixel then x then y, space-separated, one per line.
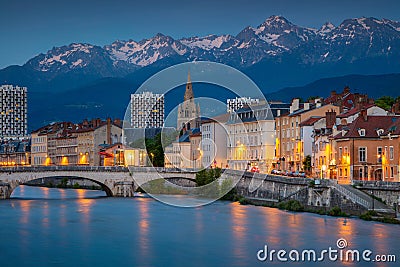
pixel 348 100
pixel 361 151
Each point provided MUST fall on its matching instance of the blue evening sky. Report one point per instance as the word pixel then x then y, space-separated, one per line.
pixel 30 27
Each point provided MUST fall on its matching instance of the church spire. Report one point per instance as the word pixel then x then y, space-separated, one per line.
pixel 189 90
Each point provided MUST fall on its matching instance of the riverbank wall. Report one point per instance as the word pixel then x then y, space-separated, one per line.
pixel 314 194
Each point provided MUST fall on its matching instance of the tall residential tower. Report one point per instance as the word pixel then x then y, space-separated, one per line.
pixel 13 112
pixel 147 110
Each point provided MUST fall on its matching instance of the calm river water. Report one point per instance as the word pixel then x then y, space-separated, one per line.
pixel 55 227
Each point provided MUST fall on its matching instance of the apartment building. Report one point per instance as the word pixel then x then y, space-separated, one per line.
pixel 13 112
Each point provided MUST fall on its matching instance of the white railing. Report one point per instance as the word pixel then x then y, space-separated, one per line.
pixel 352 196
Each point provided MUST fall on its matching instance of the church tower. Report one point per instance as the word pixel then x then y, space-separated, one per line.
pixel 188 111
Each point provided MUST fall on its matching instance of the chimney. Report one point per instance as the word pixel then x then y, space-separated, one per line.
pixel 117 122
pixel 330 118
pixel 318 102
pixel 343 122
pixel 363 114
pixel 108 131
pixel 306 106
pixel 333 93
pixel 295 105
pixel 346 90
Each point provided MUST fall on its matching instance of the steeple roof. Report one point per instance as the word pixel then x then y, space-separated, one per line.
pixel 189 90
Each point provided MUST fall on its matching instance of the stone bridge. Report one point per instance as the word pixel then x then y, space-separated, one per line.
pixel 115 181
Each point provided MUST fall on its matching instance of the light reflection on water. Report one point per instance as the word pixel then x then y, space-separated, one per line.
pixel 58 227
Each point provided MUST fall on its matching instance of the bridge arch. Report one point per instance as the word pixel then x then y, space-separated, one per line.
pixel 24 180
pixel 104 187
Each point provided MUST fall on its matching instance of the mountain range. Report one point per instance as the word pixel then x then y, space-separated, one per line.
pixel 276 54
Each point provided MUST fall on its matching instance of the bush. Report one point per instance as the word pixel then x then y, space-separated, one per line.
pixel 292 205
pixel 336 211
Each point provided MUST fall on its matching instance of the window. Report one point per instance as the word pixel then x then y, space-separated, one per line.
pixel 340 172
pixel 391 152
pixel 379 154
pixel 340 153
pixel 362 154
pixel 345 172
pixel 361 173
pixel 361 132
pixel 346 151
pixel 391 172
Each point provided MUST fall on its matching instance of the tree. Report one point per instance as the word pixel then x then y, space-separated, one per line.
pixel 307 163
pixel 385 102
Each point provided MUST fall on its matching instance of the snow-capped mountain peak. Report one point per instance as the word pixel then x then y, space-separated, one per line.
pixel 274 38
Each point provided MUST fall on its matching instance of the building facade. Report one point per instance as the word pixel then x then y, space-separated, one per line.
pixel 214 141
pixel 13 112
pixel 15 152
pixel 364 152
pixel 147 110
pixel 66 143
pixel 250 140
pixel 294 139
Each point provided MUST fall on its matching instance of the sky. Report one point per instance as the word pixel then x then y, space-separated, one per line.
pixel 31 27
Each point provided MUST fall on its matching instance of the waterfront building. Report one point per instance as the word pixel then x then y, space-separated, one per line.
pixel 177 154
pixel 15 152
pixel 214 136
pixel 13 112
pixel 147 110
pixel 294 139
pixel 251 138
pixel 364 149
pixel 323 129
pixel 66 143
pixel 39 154
pixel 66 149
pixel 120 155
pixel 91 134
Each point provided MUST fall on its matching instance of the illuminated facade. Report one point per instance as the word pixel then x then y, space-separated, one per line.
pixel 15 152
pixel 366 149
pixel 91 134
pixel 66 143
pixel 13 112
pixel 251 138
pixel 39 149
pixel 121 155
pixel 294 139
pixel 147 110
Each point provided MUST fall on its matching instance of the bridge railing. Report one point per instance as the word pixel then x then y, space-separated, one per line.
pixel 91 169
pixel 64 168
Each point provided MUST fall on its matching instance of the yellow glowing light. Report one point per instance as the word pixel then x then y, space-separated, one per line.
pixel 64 161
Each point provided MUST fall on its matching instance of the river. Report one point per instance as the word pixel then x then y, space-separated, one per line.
pixel 63 227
